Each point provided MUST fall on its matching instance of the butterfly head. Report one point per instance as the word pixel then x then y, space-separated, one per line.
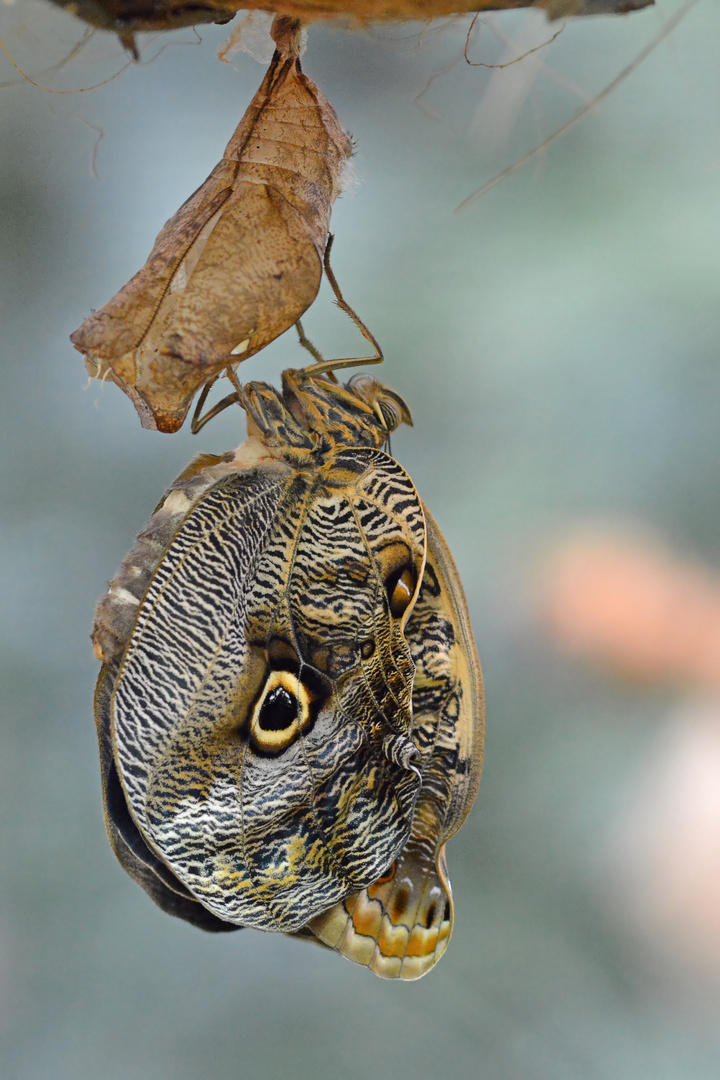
pixel 390 409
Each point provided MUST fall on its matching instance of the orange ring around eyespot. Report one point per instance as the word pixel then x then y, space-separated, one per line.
pixel 387 876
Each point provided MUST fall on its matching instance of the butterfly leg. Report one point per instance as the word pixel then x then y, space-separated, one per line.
pixel 324 367
pixel 198 422
pixel 343 304
pixel 307 344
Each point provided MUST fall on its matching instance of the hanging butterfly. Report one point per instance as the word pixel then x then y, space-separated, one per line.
pixel 290 707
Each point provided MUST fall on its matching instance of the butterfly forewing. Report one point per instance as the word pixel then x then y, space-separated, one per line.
pixel 261 715
pixel 400 925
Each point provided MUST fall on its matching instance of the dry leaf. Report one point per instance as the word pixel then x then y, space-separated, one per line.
pixel 240 262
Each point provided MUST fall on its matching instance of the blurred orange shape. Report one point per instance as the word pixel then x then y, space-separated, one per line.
pixel 633 606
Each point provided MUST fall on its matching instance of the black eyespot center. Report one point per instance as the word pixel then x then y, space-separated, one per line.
pixel 429 916
pixel 279 710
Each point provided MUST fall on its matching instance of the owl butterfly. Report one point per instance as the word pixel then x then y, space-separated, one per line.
pixel 290 708
pixel 240 262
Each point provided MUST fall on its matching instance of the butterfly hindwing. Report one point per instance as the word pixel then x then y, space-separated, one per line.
pixel 400 925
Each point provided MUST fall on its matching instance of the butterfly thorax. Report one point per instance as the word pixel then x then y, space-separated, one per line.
pixel 314 416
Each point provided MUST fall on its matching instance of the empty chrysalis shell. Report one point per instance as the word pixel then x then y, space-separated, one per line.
pixel 290 707
pixel 239 263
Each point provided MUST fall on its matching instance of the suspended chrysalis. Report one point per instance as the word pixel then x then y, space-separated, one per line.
pixel 240 262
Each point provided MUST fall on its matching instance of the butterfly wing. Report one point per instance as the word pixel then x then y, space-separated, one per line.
pixel 400 926
pixel 128 844
pixel 259 718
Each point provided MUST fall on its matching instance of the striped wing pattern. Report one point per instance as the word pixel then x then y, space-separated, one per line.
pixel 276 557
pixel 400 926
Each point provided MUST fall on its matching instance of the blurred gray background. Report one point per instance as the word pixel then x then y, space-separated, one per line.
pixel 558 344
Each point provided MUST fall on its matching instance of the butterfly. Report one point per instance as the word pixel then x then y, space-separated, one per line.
pixel 290 708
